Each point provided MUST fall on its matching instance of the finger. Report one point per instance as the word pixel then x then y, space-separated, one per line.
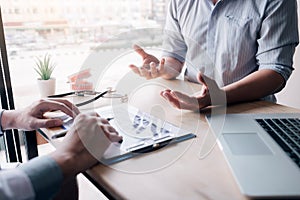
pixel 52 105
pixel 179 103
pixel 204 91
pixel 135 69
pixel 104 121
pixel 146 64
pixel 113 137
pixel 188 102
pixel 162 65
pixel 112 129
pixel 162 92
pixel 93 114
pixel 184 98
pixel 46 123
pixel 68 104
pixel 145 73
pixel 187 106
pixel 200 78
pixel 111 133
pixel 140 51
pixel 169 97
pixel 208 82
pixel 153 70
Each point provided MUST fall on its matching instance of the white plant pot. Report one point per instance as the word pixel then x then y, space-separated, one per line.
pixel 46 87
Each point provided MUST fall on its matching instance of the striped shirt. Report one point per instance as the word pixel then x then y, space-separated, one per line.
pixel 233 38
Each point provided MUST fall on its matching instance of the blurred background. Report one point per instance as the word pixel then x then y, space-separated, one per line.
pixel 69 30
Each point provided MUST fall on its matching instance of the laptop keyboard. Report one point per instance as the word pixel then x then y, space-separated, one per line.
pixel 286 132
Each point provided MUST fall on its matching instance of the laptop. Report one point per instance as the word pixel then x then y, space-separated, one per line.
pixel 262 150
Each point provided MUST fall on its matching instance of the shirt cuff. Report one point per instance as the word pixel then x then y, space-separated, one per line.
pixel 15 184
pixel 284 71
pixel 45 175
pixel 1 130
pixel 173 55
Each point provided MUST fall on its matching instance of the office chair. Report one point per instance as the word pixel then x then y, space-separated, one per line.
pixel 11 137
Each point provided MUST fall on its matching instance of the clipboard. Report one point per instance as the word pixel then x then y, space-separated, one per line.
pixel 142 133
pixel 146 149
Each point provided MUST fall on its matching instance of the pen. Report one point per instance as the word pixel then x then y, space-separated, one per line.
pixel 63 133
pixel 109 118
pixel 59 135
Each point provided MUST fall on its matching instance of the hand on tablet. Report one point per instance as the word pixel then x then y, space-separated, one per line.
pixel 85 143
pixel 194 102
pixel 32 117
pixel 151 68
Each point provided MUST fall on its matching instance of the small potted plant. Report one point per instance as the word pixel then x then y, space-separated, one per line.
pixel 45 67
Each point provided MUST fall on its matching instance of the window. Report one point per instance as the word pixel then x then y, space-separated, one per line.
pixel 69 31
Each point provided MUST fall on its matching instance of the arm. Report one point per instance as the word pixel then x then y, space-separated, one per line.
pixel 31 118
pixel 277 40
pixel 42 177
pixel 254 86
pixel 24 182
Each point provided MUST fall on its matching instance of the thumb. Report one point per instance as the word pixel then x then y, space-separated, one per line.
pixel 200 78
pixel 140 51
pixel 208 82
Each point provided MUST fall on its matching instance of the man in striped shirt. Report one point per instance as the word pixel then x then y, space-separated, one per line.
pixel 246 46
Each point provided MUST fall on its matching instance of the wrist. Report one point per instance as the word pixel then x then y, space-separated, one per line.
pixel 1 129
pixel 218 97
pixel 9 119
pixel 66 162
pixel 170 73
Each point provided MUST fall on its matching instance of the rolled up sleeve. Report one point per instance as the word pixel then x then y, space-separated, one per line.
pixel 278 37
pixel 173 44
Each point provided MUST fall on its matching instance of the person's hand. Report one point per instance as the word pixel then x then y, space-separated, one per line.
pixel 32 117
pixel 151 68
pixel 210 91
pixel 85 143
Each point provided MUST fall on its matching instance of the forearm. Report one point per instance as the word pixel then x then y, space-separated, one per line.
pixel 254 86
pixel 173 68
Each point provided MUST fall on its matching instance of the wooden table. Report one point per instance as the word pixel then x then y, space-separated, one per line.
pixel 194 169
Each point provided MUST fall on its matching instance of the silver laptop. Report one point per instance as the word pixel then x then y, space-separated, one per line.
pixel 262 150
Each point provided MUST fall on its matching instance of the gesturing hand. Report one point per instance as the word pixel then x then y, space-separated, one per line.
pixel 197 102
pixel 151 68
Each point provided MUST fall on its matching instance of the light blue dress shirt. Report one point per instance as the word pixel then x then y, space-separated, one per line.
pixel 233 38
pixel 39 179
pixel 1 113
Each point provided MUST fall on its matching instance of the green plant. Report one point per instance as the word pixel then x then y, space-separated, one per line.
pixel 45 67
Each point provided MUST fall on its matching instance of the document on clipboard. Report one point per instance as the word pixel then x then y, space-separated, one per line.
pixel 141 131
